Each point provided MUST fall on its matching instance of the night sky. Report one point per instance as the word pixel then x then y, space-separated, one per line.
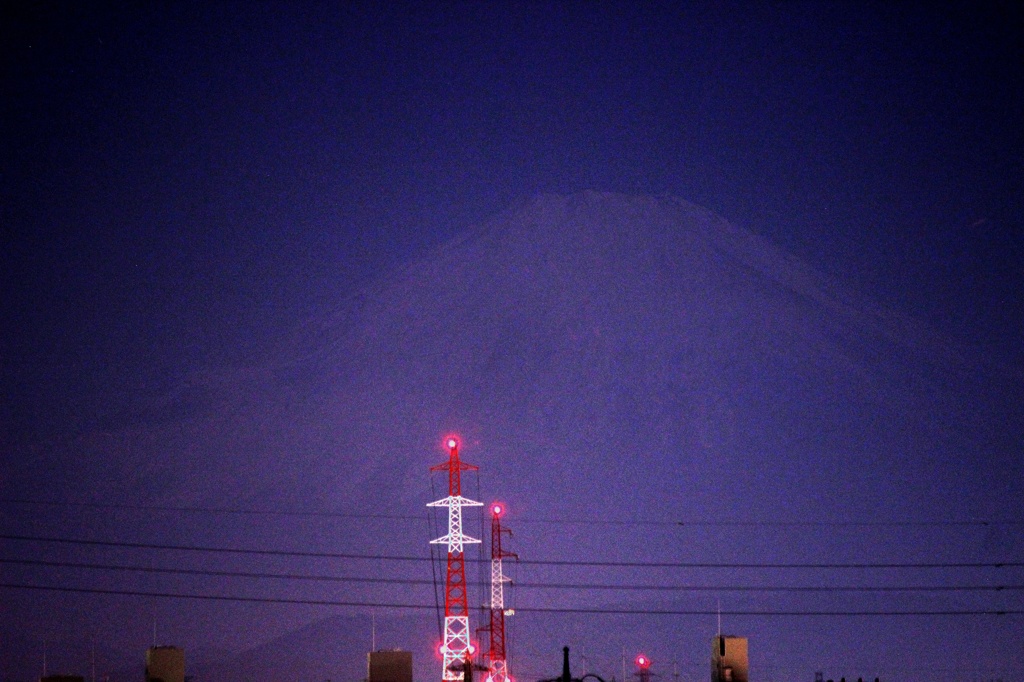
pixel 266 256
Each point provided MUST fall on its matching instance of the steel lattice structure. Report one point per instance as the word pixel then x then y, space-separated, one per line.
pixel 456 648
pixel 496 654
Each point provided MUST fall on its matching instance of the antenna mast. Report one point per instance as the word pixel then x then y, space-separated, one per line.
pixel 496 655
pixel 456 647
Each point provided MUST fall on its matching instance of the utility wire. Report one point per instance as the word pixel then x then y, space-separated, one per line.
pixel 775 588
pixel 691 523
pixel 536 562
pixel 222 550
pixel 528 585
pixel 638 612
pixel 206 510
pixel 214 573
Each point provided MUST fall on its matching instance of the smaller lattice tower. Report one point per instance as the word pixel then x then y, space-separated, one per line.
pixel 456 648
pixel 496 655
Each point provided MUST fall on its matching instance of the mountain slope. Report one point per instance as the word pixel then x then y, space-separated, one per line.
pixel 605 359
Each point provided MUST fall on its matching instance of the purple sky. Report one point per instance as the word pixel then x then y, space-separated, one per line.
pixel 251 260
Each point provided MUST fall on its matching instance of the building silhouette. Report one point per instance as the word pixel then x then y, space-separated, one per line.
pixel 393 665
pixel 165 664
pixel 729 661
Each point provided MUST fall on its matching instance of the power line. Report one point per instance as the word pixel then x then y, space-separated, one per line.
pixel 528 609
pixel 773 588
pixel 222 550
pixel 686 523
pixel 527 585
pixel 535 562
pixel 206 510
pixel 214 573
pixel 214 597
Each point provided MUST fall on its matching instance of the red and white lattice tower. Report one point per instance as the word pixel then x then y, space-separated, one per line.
pixel 456 647
pixel 496 655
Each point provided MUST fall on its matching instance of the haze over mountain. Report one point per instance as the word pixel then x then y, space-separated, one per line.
pixel 641 335
pixel 623 369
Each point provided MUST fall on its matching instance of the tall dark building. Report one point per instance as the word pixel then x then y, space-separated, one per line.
pixel 729 659
pixel 393 665
pixel 165 664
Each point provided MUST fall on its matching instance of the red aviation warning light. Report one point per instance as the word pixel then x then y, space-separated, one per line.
pixel 497 509
pixel 643 665
pixel 452 443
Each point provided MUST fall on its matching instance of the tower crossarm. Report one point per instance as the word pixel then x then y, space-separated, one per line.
pixel 455 539
pixel 454 466
pixel 455 501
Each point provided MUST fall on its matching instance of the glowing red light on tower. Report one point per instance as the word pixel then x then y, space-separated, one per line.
pixel 643 662
pixel 452 443
pixel 497 509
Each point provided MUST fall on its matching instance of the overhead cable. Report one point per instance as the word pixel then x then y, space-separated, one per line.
pixel 526 585
pixel 536 562
pixel 526 609
pixel 967 523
